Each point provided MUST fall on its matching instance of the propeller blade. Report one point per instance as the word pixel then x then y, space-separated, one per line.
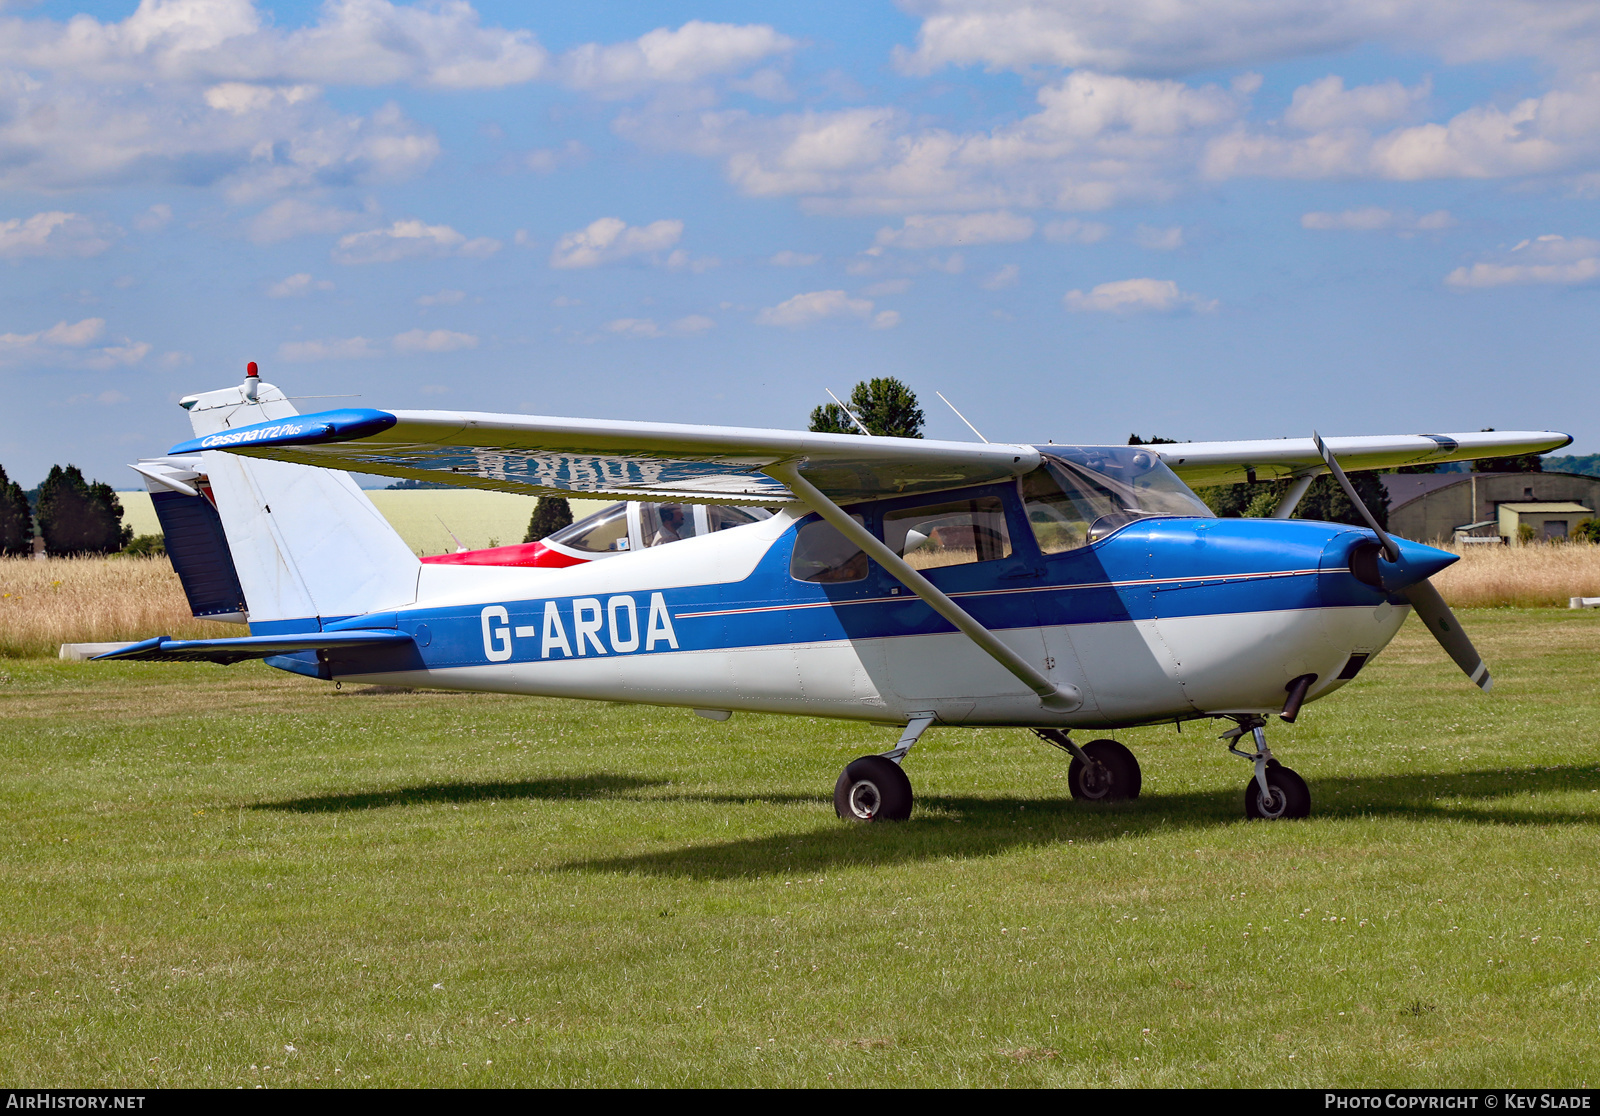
pixel 1390 551
pixel 1446 629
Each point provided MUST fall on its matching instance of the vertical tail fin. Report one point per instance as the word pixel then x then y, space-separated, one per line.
pixel 307 544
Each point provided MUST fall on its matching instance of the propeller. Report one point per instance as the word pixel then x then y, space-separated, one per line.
pixel 1425 599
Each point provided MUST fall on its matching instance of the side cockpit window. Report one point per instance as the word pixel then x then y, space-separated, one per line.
pixel 1060 521
pixel 604 531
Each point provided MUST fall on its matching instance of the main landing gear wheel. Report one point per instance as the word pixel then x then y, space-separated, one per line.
pixel 1115 775
pixel 873 789
pixel 1290 796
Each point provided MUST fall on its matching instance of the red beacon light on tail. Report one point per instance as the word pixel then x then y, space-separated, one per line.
pixel 252 380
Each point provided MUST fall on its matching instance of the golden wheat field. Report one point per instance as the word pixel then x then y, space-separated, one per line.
pixel 1536 576
pixel 45 603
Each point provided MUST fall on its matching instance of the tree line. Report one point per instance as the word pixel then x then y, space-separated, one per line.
pixel 74 516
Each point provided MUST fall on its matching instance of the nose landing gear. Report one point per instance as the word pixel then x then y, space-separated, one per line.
pixel 1275 793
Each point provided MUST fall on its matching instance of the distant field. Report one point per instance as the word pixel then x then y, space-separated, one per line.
pixel 233 876
pixel 90 600
pixel 425 518
pixel 1535 576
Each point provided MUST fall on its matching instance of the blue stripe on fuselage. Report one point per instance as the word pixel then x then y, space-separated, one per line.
pixel 1158 568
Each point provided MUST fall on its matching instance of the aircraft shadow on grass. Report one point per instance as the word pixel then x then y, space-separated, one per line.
pixel 961 827
pixel 599 785
pixel 958 828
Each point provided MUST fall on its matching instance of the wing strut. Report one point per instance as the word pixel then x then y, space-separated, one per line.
pixel 1057 699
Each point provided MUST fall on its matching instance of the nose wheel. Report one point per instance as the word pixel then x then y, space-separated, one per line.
pixel 1275 793
pixel 1287 796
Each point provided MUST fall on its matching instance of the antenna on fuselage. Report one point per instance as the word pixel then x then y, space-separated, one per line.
pixel 849 412
pixel 960 416
pixel 461 547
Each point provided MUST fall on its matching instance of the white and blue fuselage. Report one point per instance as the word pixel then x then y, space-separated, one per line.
pixel 1167 618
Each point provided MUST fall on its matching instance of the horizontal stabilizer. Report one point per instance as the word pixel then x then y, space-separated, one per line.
pixel 163 649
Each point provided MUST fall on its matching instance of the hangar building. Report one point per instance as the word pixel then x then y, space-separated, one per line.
pixel 1430 507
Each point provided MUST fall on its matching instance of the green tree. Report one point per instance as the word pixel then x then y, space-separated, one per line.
pixel 76 517
pixel 1587 530
pixel 146 546
pixel 16 520
pixel 550 514
pixel 884 405
pixel 1324 500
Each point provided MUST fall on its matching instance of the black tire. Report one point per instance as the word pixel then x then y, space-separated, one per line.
pixel 1291 796
pixel 1118 778
pixel 872 789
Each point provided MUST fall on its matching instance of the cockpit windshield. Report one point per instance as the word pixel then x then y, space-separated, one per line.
pixel 1083 493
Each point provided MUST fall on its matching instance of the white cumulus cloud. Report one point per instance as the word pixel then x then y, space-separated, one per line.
pixel 294 217
pixel 433 341
pixel 298 286
pixel 353 42
pixel 54 233
pixel 815 306
pixel 1157 36
pixel 1072 231
pixel 70 345
pixel 410 239
pixel 442 298
pixel 690 53
pixel 1007 276
pixel 331 348
pixel 1328 104
pixel 611 239
pixel 787 258
pixel 950 229
pixel 1132 295
pixel 688 326
pixel 1544 259
pixel 1159 240
pixel 1372 218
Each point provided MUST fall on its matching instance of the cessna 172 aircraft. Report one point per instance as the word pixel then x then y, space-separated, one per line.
pixel 897 581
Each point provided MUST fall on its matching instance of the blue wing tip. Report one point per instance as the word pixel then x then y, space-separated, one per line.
pixel 345 425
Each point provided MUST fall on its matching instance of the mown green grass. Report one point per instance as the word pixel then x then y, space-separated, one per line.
pixel 205 867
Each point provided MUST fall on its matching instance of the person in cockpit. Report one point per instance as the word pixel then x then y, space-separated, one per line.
pixel 671 523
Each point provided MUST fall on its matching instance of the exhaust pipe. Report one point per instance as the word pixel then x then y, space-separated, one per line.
pixel 1297 697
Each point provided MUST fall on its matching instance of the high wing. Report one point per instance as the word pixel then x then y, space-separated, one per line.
pixel 1208 463
pixel 624 460
pixel 536 455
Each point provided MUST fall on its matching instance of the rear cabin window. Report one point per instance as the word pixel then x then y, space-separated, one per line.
pixel 720 518
pixel 824 556
pixel 952 533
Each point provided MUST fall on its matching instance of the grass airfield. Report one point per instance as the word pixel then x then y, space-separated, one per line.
pixel 234 876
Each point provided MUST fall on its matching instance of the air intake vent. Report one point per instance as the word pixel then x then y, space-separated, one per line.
pixel 1353 667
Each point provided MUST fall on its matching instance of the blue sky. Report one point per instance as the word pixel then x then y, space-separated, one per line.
pixel 1200 220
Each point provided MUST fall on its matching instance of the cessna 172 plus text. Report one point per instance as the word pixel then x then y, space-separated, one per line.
pixel 897 581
